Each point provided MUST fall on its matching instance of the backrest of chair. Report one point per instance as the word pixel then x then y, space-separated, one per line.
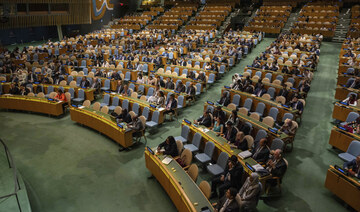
pixel 205 188
pixel 260 107
pixel 222 160
pixel 231 106
pixel 209 148
pixel 97 106
pixel 135 108
pixel 255 116
pixel 68 96
pixel 193 171
pixel 155 117
pixel 354 148
pixel 179 145
pixel 268 120
pixel 180 100
pixel 187 156
pixel 145 112
pixel 87 103
pixel 72 84
pixel 266 96
pixel 125 104
pixel 63 83
pixel 115 101
pixel 273 112
pixel 243 110
pixel 277 144
pixel 132 114
pixel 52 95
pixel 352 117
pixel 143 121
pixel 248 103
pixel 196 140
pixel 250 140
pixel 106 98
pixel 134 95
pixel 280 99
pixel 260 134
pixel 107 83
pixel 143 98
pixel 105 109
pixel 31 94
pixel 271 92
pixel 118 110
pixel 185 131
pixel 236 99
pixel 41 95
pixel 81 94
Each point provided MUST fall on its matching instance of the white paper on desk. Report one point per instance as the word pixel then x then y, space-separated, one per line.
pixel 81 107
pixel 167 160
pixel 113 93
pixel 60 101
pixel 161 109
pixel 245 154
pixel 205 130
pixel 258 167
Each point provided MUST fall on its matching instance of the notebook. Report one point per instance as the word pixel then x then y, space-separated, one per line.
pixel 245 154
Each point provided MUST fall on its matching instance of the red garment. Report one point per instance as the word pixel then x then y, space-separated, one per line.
pixel 61 97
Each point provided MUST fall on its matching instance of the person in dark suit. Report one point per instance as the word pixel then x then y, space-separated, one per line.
pixel 230 132
pixel 218 112
pixel 171 104
pixel 204 120
pixel 24 90
pixel 191 92
pixel 296 104
pixel 96 85
pixel 136 125
pixel 180 88
pixel 243 127
pixel 31 78
pixel 169 84
pixel 224 100
pixel 261 151
pixel 353 167
pixel 353 84
pixel 283 92
pixel 276 166
pixel 115 76
pixel 124 116
pixel 84 83
pixel 191 75
pixel 231 177
pixel 14 89
pixel 170 147
pixel 119 87
pixel 160 82
pixel 260 90
pixel 228 203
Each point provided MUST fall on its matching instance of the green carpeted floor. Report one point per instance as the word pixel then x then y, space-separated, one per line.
pixel 67 167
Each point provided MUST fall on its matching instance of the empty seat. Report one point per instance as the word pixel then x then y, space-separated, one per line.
pixel 219 167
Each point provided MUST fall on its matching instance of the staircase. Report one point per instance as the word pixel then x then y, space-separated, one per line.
pixel 342 26
pixel 291 20
pixel 227 21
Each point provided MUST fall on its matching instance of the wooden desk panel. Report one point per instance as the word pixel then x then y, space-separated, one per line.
pixel 344 187
pixel 33 104
pixel 184 195
pixel 103 125
pixel 341 139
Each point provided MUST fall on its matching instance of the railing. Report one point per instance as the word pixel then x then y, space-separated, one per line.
pixel 16 180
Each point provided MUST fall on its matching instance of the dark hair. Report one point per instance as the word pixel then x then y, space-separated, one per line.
pixel 233 159
pixel 233 191
pixel 171 139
